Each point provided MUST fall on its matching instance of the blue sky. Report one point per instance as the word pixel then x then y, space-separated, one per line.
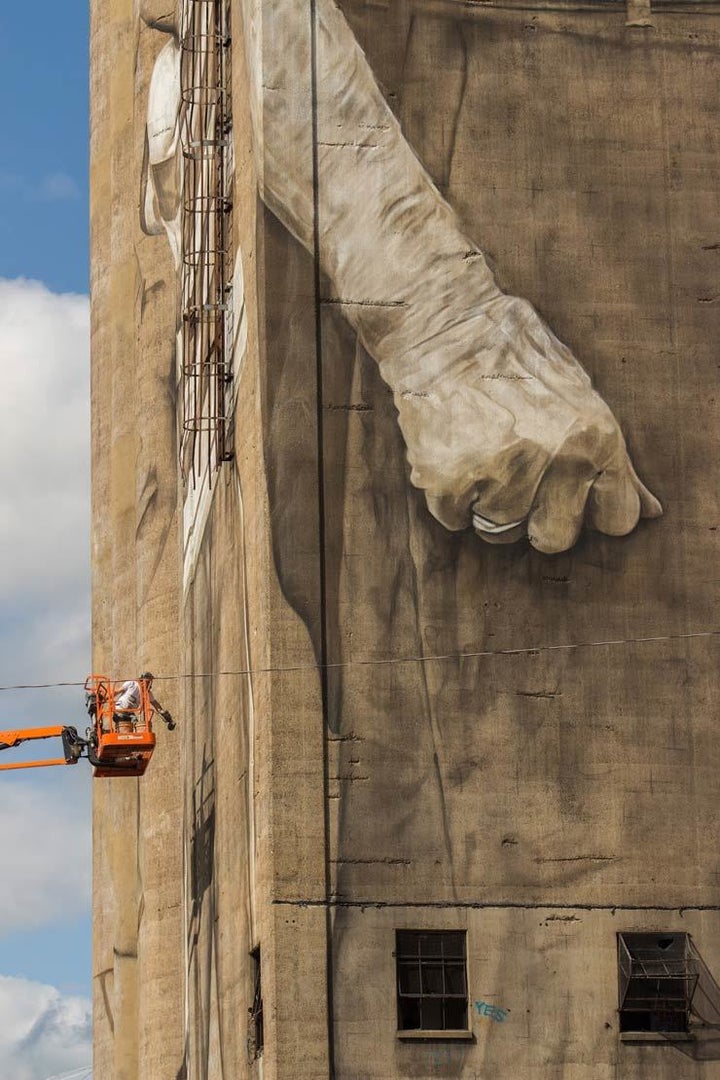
pixel 45 932
pixel 43 162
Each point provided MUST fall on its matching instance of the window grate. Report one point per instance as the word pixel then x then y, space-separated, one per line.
pixel 257 1030
pixel 658 974
pixel 431 980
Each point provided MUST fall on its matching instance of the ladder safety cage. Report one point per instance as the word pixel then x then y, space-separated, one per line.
pixel 206 141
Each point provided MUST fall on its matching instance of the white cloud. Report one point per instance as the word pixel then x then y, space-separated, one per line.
pixel 44 482
pixel 42 1032
pixel 46 866
pixel 56 187
pixel 44 636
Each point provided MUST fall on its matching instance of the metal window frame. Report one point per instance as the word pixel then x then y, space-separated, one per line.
pixel 403 957
pixel 646 965
pixel 257 1035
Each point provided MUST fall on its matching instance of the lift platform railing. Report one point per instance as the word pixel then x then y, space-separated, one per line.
pixel 120 740
pixel 124 738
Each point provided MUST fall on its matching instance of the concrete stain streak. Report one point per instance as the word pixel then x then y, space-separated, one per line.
pixel 455 119
pixel 102 976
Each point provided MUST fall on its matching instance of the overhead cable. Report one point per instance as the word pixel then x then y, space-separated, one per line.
pixel 529 650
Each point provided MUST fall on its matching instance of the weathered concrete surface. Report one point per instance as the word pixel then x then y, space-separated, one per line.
pixel 601 209
pixel 184 871
pixel 554 970
pixel 137 851
pixel 569 777
pixel 544 801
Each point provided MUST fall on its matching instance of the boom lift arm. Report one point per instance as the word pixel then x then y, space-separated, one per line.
pixel 121 740
pixel 73 745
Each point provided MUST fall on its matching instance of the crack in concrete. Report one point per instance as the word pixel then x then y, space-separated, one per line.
pixel 576 858
pixel 548 694
pixel 372 862
pixel 496 905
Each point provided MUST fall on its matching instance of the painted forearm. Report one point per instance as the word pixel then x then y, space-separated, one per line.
pixel 398 262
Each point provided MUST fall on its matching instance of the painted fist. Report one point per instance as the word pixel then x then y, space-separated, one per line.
pixel 511 437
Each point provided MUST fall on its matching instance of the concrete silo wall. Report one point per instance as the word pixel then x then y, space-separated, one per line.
pixel 387 722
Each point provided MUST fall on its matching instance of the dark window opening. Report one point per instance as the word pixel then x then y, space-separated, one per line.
pixel 257 1036
pixel 431 980
pixel 658 975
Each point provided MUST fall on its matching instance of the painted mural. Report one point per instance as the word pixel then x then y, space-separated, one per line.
pixel 455 498
pixel 503 429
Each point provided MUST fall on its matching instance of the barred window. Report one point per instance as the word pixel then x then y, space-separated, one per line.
pixel 257 1029
pixel 658 975
pixel 431 980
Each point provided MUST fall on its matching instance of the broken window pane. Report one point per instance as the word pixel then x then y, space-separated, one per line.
pixel 455 979
pixel 409 977
pixel 455 1014
pixel 432 979
pixel 409 1014
pixel 432 1014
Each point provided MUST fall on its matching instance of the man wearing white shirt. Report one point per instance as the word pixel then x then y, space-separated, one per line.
pixel 129 698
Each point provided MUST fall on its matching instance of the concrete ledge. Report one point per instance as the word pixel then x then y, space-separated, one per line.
pixel 641 1037
pixel 419 1036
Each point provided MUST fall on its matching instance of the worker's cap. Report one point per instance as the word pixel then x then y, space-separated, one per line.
pixel 147 676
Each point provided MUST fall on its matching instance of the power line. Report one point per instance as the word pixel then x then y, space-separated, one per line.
pixel 75 1074
pixel 529 650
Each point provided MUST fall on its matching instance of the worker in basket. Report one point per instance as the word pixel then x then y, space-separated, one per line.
pixel 128 714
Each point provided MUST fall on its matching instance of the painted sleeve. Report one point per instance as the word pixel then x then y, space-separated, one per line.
pixel 500 421
pixel 415 287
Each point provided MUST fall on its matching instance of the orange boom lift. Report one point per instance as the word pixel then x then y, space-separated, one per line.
pixel 120 743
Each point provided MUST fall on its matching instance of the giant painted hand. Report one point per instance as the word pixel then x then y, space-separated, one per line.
pixel 502 425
